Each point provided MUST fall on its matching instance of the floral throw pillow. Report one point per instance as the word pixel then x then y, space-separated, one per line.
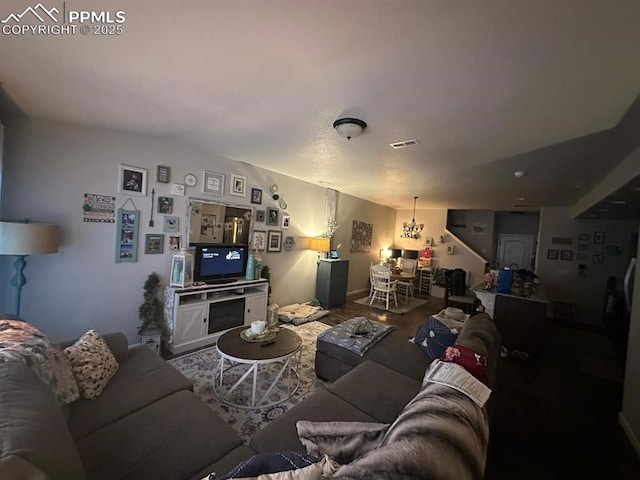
pixel 20 342
pixel 435 336
pixel 92 362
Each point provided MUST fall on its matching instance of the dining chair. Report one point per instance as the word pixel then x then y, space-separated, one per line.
pixel 456 293
pixel 383 287
pixel 409 267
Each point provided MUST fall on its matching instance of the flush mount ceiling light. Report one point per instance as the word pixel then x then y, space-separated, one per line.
pixel 349 127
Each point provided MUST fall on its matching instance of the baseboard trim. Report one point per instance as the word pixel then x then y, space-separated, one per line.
pixel 630 434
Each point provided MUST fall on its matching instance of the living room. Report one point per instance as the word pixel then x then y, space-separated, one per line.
pixel 50 163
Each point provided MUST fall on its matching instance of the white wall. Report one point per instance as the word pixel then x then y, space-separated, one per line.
pixel 49 166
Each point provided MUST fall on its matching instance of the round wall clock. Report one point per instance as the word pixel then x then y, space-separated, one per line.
pixel 190 180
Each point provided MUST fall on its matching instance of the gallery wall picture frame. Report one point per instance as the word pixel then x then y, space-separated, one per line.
pixel 213 183
pixel 598 258
pixel 174 242
pixel 238 185
pixel 552 254
pixel 256 196
pixel 171 224
pixel 259 240
pixel 451 249
pixel 127 235
pixel 598 238
pixel 260 215
pixel 274 241
pixel 286 221
pixel 581 256
pixel 583 237
pixel 165 205
pixel 163 174
pixel 566 255
pixel 272 216
pixel 178 189
pixel 132 180
pixel 428 242
pixel 361 236
pixel 153 243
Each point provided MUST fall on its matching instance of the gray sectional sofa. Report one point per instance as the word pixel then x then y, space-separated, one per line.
pixel 147 423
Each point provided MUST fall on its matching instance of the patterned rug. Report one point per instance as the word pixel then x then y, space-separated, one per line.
pixel 401 308
pixel 200 367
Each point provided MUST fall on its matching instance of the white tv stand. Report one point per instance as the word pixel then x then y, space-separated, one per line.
pixel 187 311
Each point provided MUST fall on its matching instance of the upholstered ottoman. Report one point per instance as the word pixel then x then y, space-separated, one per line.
pixel 395 351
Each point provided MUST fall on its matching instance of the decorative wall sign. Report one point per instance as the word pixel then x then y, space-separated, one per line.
pixel 238 185
pixel 162 174
pixel 212 183
pixel 177 189
pixel 171 224
pixel 127 235
pixel 361 236
pixel 274 241
pixel 552 254
pixel 598 258
pixel 132 180
pixel 561 240
pixel 479 229
pixel 598 238
pixel 99 208
pixel 153 243
pixel 256 196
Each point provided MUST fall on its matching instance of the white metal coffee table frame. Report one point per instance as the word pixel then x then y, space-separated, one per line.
pixel 288 363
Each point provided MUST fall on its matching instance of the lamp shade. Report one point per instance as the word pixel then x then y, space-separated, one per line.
pixel 320 244
pixel 17 238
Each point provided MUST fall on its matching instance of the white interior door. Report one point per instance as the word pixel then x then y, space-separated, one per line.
pixel 516 249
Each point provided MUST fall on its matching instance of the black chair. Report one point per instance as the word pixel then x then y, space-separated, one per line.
pixel 456 294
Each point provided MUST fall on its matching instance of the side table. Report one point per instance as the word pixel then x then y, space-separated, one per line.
pixel 150 337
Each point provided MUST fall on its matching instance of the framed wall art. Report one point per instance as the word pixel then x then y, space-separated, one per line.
pixel 127 235
pixel 174 242
pixel 162 174
pixel 566 255
pixel 238 185
pixel 153 243
pixel 165 205
pixel 259 240
pixel 274 241
pixel 132 180
pixel 286 221
pixel 361 235
pixel 260 215
pixel 213 183
pixel 598 258
pixel 177 189
pixel 598 238
pixel 552 254
pixel 272 216
pixel 171 224
pixel 256 196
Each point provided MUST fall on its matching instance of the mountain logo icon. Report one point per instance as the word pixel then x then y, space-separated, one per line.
pixel 39 11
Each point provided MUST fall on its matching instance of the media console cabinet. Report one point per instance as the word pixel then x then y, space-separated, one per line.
pixel 196 316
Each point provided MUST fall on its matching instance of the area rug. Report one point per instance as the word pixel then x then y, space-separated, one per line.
pixel 200 367
pixel 400 309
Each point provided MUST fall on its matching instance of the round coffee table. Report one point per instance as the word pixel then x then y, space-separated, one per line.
pixel 279 354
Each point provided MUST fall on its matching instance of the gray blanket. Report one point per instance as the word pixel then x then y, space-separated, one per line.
pixel 357 334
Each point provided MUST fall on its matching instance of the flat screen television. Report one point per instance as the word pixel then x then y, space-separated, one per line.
pixel 215 263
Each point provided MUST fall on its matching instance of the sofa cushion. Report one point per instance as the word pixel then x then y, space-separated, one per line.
pixel 434 337
pixel 33 427
pixel 140 381
pixel 321 406
pixel 92 362
pixel 173 438
pixel 377 390
pixel 20 342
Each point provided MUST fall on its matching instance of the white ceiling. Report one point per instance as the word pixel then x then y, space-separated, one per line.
pixel 486 87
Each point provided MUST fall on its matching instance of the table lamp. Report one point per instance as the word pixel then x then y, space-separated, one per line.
pixel 22 239
pixel 322 245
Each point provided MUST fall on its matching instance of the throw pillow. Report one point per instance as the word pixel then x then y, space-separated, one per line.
pixel 20 342
pixel 92 362
pixel 434 337
pixel 474 362
pixel 280 466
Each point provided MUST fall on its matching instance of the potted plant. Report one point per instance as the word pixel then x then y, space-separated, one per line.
pixel 151 311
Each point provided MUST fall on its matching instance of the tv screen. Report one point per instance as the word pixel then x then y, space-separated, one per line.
pixel 219 263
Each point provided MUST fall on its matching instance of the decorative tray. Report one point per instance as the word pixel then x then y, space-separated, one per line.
pixel 265 336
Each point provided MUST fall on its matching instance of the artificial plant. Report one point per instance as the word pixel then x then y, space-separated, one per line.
pixel 151 311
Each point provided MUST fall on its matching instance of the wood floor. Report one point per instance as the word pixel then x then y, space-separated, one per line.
pixel 556 415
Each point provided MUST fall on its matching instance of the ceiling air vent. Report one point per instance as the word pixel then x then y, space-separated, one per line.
pixel 406 143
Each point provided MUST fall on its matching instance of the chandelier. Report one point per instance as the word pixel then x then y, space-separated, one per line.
pixel 412 229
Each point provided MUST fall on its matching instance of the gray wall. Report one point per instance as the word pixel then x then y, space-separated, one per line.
pixel 49 166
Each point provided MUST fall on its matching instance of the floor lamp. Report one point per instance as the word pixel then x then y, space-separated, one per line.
pixel 21 239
